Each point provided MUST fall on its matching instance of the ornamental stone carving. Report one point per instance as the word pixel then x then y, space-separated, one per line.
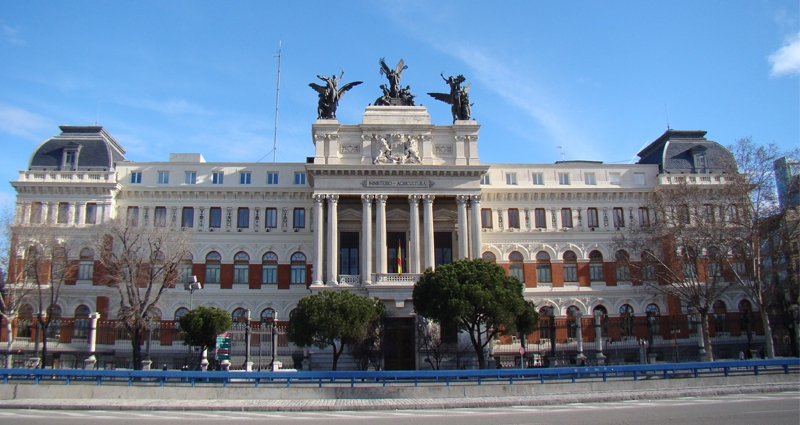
pixel 397 149
pixel 443 149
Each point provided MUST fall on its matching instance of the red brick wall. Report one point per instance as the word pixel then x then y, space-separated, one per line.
pixel 255 276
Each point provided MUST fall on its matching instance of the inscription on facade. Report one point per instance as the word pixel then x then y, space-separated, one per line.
pixel 397 183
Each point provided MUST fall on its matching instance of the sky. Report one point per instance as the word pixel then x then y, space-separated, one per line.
pixel 600 80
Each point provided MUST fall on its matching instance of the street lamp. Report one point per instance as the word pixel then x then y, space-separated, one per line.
pixel 191 286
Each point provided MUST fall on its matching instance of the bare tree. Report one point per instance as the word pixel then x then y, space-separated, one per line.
pixel 47 262
pixel 429 341
pixel 682 244
pixel 142 263
pixel 765 232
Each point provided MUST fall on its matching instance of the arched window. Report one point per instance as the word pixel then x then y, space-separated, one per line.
pixel 239 315
pixel 86 264
pixel 515 266
pixel 24 321
pixel 745 306
pixel 30 271
pixel 603 320
pixel 269 268
pixel 596 266
pixel 689 263
pixel 180 313
pixel 571 321
pixel 267 316
pixel 546 318
pixel 648 266
pixel 82 322
pixel 652 310
pixel 570 267
pixel 489 256
pixel 714 266
pixel 653 318
pixel 185 268
pixel 59 265
pixel 626 320
pixel 241 267
pixel 213 260
pixel 54 329
pixel 623 266
pixel 546 311
pixel 543 267
pixel 298 268
pixel 720 316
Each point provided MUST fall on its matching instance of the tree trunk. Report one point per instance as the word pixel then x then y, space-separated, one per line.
pixel 476 344
pixel 137 349
pixel 43 336
pixel 336 354
pixel 770 348
pixel 9 356
pixel 706 336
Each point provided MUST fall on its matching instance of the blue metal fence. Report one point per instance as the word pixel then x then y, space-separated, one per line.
pixel 415 378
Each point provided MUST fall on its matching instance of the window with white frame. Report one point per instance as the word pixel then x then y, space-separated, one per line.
pixel 190 177
pixel 516 267
pixel 298 268
pixel 270 218
pixel 241 267
pixel 243 217
pixel 589 178
pixel 160 217
pixel 539 218
pixel 485 180
pixel 591 217
pixel 613 178
pixel 187 217
pixel 163 177
pixel 566 217
pixel 217 177
pixel 538 179
pixel 269 268
pixel 619 217
pixel 486 218
pixel 272 177
pixel 511 179
pixel 638 178
pixel 213 261
pixel 299 218
pixel 596 266
pixel 91 214
pixel 299 178
pixel 570 267
pixel 86 264
pixel 513 218
pixel 244 177
pixel 563 178
pixel 136 177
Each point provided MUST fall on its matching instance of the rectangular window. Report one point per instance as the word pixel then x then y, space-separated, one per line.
pixel 644 216
pixel 543 273
pixel 160 217
pixel 613 178
pixel 241 273
pixel 511 179
pixel 299 178
pixel 215 217
pixel 591 217
pixel 187 218
pixel 539 218
pixel 190 177
pixel 682 214
pixel 619 217
pixel 486 218
pixel 563 178
pixel 299 218
pixel 217 177
pixel 133 216
pixel 589 178
pixel 596 272
pixel 63 213
pixel 570 272
pixel 538 179
pixel 136 177
pixel 91 214
pixel 270 218
pixel 244 177
pixel 298 274
pixel 243 218
pixel 648 273
pixel 708 214
pixel 513 218
pixel 638 178
pixel 269 274
pixel 184 272
pixel 272 177
pixel 442 248
pixel 566 217
pixel 516 270
pixel 485 180
pixel 86 270
pixel 163 177
pixel 348 253
pixel 212 273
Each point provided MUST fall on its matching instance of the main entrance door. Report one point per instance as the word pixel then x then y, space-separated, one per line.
pixel 399 344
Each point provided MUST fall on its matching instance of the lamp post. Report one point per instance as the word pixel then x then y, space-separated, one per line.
pixel 274 340
pixel 191 286
pixel 248 367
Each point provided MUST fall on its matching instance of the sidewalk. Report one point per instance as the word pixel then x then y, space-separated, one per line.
pixel 539 395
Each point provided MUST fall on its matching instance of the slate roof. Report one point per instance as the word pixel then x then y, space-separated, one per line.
pixel 98 150
pixel 676 152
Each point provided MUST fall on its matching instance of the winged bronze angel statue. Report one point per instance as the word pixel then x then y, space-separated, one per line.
pixel 458 98
pixel 329 95
pixel 394 90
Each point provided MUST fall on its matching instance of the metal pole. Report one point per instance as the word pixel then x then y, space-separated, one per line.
pixel 247 364
pixel 274 340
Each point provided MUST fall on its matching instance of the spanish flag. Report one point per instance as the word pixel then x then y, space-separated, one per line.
pixel 399 258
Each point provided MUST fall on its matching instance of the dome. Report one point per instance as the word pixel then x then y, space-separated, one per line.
pixel 78 148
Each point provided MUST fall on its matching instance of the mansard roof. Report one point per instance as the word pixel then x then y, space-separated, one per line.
pixel 96 150
pixel 686 151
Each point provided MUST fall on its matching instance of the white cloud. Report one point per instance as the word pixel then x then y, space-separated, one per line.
pixel 786 60
pixel 12 35
pixel 19 122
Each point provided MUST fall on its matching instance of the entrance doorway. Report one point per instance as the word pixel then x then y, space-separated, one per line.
pixel 398 352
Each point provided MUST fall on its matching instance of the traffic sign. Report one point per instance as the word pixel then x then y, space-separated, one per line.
pixel 521 351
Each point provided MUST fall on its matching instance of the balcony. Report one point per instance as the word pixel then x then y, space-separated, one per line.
pixel 68 176
pixel 395 279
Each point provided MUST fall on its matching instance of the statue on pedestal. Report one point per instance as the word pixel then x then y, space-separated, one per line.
pixel 330 94
pixel 394 93
pixel 458 97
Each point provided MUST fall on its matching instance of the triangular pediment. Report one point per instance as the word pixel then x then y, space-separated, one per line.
pixel 349 214
pixel 397 214
pixel 445 214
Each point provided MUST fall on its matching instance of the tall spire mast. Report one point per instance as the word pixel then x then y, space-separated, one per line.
pixel 277 102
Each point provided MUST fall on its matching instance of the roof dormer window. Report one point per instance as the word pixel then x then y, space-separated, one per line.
pixel 70 159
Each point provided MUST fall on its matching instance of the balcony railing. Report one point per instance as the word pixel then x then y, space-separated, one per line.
pixel 396 279
pixel 68 176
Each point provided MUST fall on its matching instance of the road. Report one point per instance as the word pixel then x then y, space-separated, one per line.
pixel 765 409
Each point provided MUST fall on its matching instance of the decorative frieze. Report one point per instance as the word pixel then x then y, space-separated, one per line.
pixel 398 183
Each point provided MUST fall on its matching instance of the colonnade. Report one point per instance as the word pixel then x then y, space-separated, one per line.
pixel 373 243
pixel 48 213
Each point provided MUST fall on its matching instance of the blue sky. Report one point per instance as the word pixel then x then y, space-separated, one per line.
pixel 598 78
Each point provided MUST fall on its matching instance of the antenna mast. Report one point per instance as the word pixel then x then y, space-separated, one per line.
pixel 277 102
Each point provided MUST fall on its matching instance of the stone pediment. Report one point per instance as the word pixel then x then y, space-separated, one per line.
pixel 398 214
pixel 349 214
pixel 444 214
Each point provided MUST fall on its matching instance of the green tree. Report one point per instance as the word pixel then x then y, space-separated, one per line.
pixel 478 298
pixel 335 318
pixel 203 324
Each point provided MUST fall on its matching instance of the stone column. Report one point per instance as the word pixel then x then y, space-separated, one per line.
pixel 579 336
pixel 51 213
pixel 475 204
pixel 366 239
pixel 71 207
pixel 92 360
pixel 598 336
pixel 380 233
pixel 463 233
pixel 80 213
pixel 106 215
pixel 427 232
pixel 320 240
pixel 413 248
pixel 333 239
pixel 24 216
